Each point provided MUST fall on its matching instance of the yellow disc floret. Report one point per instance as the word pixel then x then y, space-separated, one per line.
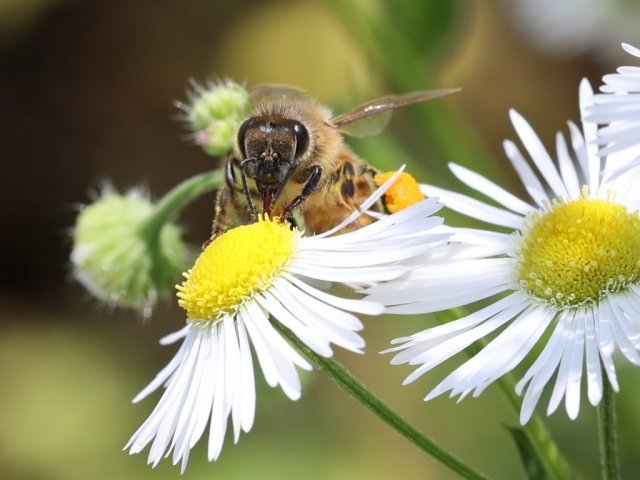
pixel 402 193
pixel 576 253
pixel 238 264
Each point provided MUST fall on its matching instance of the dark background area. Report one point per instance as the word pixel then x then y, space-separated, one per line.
pixel 87 92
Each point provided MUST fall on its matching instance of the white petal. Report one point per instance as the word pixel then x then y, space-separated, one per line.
pixel 630 305
pixel 247 382
pixel 622 141
pixel 232 387
pixel 474 208
pixel 622 82
pixel 190 410
pixel 333 274
pixel 631 49
pixel 441 282
pixel 280 354
pixel 444 350
pixel 612 174
pixel 498 357
pixel 259 342
pixel 352 305
pixel 620 112
pixel 167 371
pixel 580 149
pixel 538 154
pixel 454 251
pixel 172 401
pixel 175 336
pixel 590 131
pixel 529 179
pixel 490 189
pixel 306 309
pixel 562 379
pixel 543 368
pixel 504 352
pixel 327 312
pixel 398 249
pixel 313 339
pixel 606 345
pixel 413 220
pixel 574 376
pixel 594 371
pixel 208 387
pixel 515 347
pixel 567 169
pixel 272 339
pixel 482 237
pixel 456 299
pixel 463 323
pixel 219 407
pixel 623 334
pixel 276 357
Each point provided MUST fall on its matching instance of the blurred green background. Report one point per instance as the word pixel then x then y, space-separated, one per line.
pixel 86 93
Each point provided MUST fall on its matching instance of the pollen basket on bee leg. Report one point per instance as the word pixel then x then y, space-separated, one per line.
pixel 403 193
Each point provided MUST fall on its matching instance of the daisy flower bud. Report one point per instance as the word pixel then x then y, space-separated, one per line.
pixel 215 113
pixel 117 260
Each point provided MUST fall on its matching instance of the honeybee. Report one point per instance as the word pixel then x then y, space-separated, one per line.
pixel 290 160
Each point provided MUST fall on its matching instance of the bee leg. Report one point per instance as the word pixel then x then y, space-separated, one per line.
pixel 220 220
pixel 245 189
pixel 309 187
pixel 292 222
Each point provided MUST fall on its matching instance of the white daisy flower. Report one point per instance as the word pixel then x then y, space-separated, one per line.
pixel 243 278
pixel 619 107
pixel 566 276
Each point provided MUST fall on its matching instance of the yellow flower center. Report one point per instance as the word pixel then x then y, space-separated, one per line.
pixel 402 193
pixel 578 252
pixel 236 265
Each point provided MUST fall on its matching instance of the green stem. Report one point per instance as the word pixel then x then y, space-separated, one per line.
pixel 177 198
pixel 535 429
pixel 607 433
pixel 345 380
pixel 538 434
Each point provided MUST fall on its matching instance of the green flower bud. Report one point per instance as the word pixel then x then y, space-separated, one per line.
pixel 218 138
pixel 215 114
pixel 121 262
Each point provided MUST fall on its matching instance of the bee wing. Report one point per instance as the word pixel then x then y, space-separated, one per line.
pixel 265 92
pixel 370 118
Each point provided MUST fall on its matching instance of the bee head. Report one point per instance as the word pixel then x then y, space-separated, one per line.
pixel 271 147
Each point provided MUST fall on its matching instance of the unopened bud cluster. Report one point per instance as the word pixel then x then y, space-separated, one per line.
pixel 215 114
pixel 117 261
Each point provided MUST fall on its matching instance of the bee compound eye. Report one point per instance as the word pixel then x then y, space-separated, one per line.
pixel 242 136
pixel 302 138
